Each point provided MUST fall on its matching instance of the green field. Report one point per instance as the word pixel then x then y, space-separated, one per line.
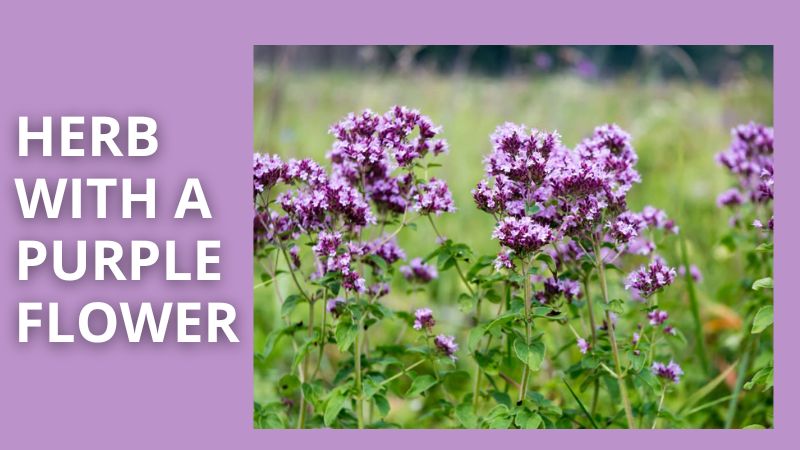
pixel 677 128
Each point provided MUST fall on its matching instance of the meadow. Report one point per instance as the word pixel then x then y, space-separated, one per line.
pixel 677 129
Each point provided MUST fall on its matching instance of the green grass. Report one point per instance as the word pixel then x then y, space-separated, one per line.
pixel 677 129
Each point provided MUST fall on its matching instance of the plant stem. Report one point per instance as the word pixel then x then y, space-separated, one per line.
pixel 592 324
pixel 741 374
pixel 700 343
pixel 526 283
pixel 304 372
pixel 359 387
pixel 401 373
pixel 660 405
pixel 476 386
pixel 324 337
pixel 601 273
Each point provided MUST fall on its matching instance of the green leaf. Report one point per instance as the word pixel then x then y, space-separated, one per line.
pixel 762 320
pixel 382 404
pixel 528 420
pixel 466 416
pixel 420 384
pixel 532 355
pixel 765 247
pixel 272 339
pixel 616 306
pixel 290 303
pixel 548 260
pixel 334 406
pixel 764 283
pixel 764 376
pixel 501 319
pixel 754 426
pixel 371 387
pixel 287 385
pixel 474 338
pixel 303 350
pixel 345 335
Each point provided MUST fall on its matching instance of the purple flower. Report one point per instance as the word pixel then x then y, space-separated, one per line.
pixel 694 272
pixel 626 227
pixel 554 288
pixel 522 235
pixel 647 280
pixel 731 197
pixel 335 306
pixel 418 271
pixel 583 346
pixel 433 197
pixel 671 371
pixel 750 158
pixel 268 225
pixel 348 201
pixel 327 243
pixel 423 319
pixel 447 345
pixel 398 124
pixel 379 290
pixel 635 339
pixel 306 171
pixel 388 250
pixel 504 261
pixel 610 148
pixel 641 246
pixel 657 317
pixel 267 171
pixel 670 330
pixel 294 253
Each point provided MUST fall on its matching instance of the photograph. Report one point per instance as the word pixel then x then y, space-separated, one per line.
pixel 513 237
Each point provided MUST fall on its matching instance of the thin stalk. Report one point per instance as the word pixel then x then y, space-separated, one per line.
pixel 286 257
pixel 526 283
pixel 660 405
pixel 601 273
pixel 741 374
pixel 477 384
pixel 304 372
pixel 700 344
pixel 401 373
pixel 593 326
pixel 324 337
pixel 359 387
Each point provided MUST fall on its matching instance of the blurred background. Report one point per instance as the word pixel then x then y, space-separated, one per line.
pixel 678 102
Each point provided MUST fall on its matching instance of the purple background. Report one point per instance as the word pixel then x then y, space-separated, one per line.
pixel 190 67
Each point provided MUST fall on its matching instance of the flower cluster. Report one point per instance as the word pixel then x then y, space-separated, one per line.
pixel 418 271
pixel 368 147
pixel 267 171
pixel 555 288
pixel 657 317
pixel 333 208
pixel 447 345
pixel 671 371
pixel 542 192
pixel 423 318
pixel 750 158
pixel 433 197
pixel 694 272
pixel 522 235
pixel 424 321
pixel 647 280
pixel 335 306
